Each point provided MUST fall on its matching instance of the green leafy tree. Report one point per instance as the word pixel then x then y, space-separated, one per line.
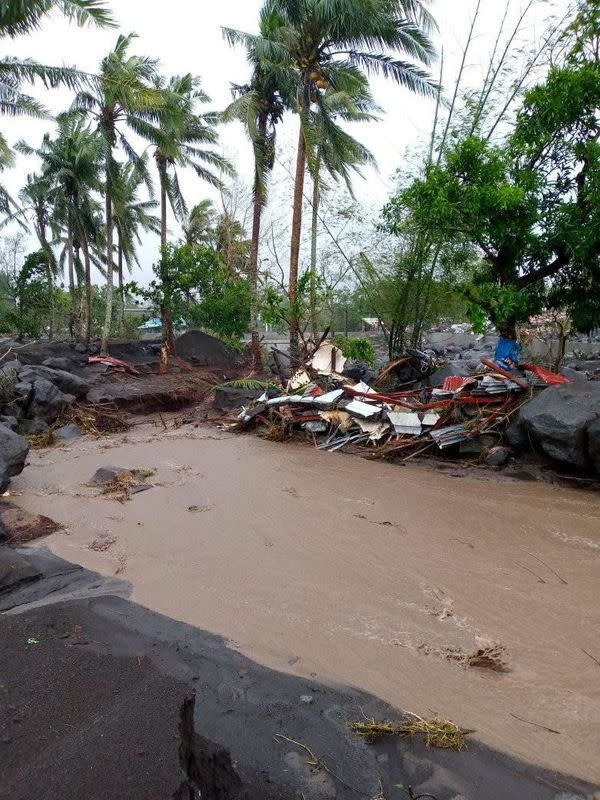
pixel 191 281
pixel 32 293
pixel 529 208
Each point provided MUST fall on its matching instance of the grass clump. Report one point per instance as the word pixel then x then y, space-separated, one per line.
pixel 436 732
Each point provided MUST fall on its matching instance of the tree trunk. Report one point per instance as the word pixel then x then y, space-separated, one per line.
pixel 88 289
pixel 121 295
pixel 50 280
pixel 166 313
pixel 259 199
pixel 109 272
pixel 294 322
pixel 163 207
pixel 70 261
pixel 313 253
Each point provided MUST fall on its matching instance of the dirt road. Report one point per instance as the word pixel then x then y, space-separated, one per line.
pixel 357 573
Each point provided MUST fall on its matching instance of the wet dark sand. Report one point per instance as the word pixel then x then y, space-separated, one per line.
pixel 91 692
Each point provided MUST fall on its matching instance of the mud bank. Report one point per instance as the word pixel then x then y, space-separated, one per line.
pixel 353 573
pixel 92 691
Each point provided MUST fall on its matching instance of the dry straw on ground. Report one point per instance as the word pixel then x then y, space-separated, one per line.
pixel 436 732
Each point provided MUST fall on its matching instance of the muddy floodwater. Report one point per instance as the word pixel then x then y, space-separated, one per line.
pixel 358 573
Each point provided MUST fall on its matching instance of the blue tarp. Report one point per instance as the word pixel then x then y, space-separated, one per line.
pixel 508 352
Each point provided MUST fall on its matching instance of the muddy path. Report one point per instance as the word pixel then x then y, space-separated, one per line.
pixel 354 573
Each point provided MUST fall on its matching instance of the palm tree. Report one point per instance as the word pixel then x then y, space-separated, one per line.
pixel 36 198
pixel 259 106
pixel 6 161
pixel 335 44
pixel 336 152
pixel 181 141
pixel 131 215
pixel 22 17
pixel 71 165
pixel 122 96
pixel 199 227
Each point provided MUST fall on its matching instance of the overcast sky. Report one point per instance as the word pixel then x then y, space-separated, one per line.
pixel 186 36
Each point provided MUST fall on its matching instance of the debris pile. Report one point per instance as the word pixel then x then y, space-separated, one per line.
pixel 465 414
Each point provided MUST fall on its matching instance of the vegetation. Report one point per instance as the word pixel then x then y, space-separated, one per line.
pixel 495 218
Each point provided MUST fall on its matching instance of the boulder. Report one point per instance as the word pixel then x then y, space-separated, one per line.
pixel 228 398
pixel 47 402
pixel 58 363
pixel 69 431
pixel 593 433
pixel 557 421
pixel 574 374
pixel 65 381
pixel 22 390
pixel 497 456
pixel 80 348
pixel 10 422
pixel 13 452
pixel 10 368
pixel 34 427
pixel 205 351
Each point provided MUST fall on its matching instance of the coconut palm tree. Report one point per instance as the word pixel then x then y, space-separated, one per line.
pixel 334 151
pixel 21 17
pixel 25 16
pixel 132 216
pixel 332 43
pixel 72 168
pixel 199 227
pixel 185 139
pixel 259 105
pixel 122 97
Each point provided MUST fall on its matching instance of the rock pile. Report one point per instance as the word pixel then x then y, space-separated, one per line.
pixel 32 398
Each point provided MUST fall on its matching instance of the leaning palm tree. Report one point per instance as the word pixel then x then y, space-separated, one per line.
pixel 330 44
pixel 132 216
pixel 122 97
pixel 259 105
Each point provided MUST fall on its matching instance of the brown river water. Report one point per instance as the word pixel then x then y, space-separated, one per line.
pixel 357 573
